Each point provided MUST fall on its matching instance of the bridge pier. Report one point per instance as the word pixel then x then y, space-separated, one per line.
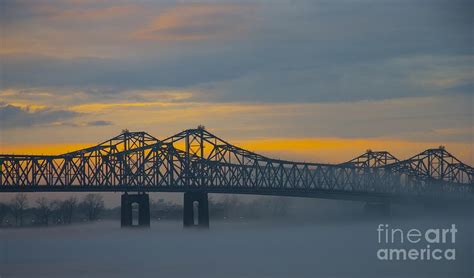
pixel 202 206
pixel 378 208
pixel 143 201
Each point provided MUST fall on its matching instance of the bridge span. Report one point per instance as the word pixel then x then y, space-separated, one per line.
pixel 197 162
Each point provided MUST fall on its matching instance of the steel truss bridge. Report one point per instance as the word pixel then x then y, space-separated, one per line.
pixel 197 161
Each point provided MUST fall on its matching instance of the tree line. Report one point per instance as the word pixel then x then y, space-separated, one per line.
pixel 21 211
pixel 43 212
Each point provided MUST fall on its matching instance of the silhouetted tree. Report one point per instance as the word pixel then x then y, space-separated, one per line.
pixel 4 210
pixel 43 210
pixel 67 208
pixel 56 214
pixel 19 205
pixel 93 205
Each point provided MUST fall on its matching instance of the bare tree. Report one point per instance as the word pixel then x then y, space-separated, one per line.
pixel 4 209
pixel 43 210
pixel 19 205
pixel 56 213
pixel 67 208
pixel 93 204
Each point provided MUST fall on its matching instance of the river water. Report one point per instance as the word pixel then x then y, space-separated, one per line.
pixel 229 249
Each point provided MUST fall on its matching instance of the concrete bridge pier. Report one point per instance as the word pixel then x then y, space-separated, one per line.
pixel 143 201
pixel 381 208
pixel 196 210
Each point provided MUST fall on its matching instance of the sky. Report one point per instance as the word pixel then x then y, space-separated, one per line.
pixel 319 81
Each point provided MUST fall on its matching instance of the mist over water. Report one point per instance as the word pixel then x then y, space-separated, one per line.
pixel 336 246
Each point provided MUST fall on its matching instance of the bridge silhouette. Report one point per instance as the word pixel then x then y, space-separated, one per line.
pixel 197 162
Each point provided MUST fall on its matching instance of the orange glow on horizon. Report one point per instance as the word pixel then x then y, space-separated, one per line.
pixel 43 149
pixel 323 150
pixel 337 150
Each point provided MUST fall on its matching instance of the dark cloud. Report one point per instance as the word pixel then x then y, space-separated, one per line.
pixel 13 116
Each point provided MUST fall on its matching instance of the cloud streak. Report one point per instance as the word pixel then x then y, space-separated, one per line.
pixel 99 123
pixel 196 22
pixel 98 13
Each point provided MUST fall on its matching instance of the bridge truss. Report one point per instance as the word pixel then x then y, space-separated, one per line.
pixel 196 160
